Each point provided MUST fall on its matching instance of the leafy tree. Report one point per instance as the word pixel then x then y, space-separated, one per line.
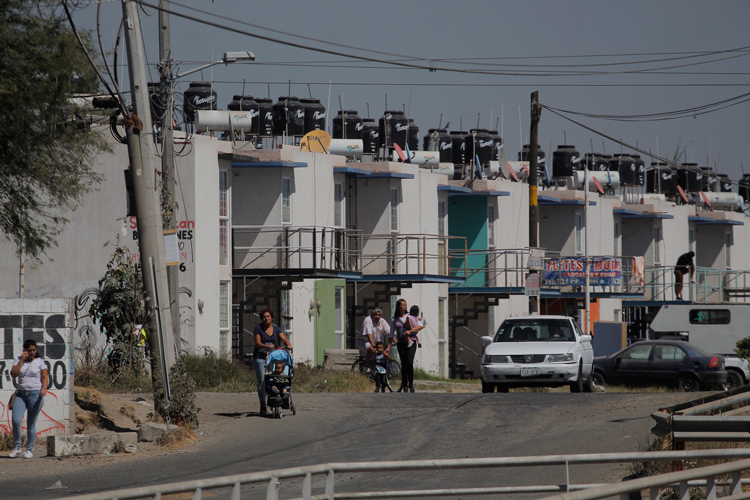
pixel 44 149
pixel 743 348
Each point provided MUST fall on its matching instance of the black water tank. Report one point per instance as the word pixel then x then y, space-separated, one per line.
pixel 565 161
pixel 603 165
pixel 246 103
pixel 690 177
pixel 458 137
pixel 370 135
pixel 626 168
pixel 288 117
pixel 353 127
pixel 199 95
pixel 479 143
pixel 497 144
pixel 592 161
pixel 523 155
pixel 315 114
pixel 413 135
pixel 660 178
pixel 393 127
pixel 709 179
pixel 438 139
pixel 725 184
pixel 743 187
pixel 430 140
pixel 640 170
pixel 265 116
pixel 157 105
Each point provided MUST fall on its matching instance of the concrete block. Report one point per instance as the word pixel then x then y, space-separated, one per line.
pixel 150 431
pixel 87 444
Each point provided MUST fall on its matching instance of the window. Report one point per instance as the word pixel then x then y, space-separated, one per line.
pixel 579 234
pixel 441 218
pixel 224 318
pixel 394 209
pixel 668 353
pixel 338 204
pixel 728 249
pixel 223 217
pixel 638 352
pixel 491 217
pixel 340 321
pixel 710 317
pixel 617 239
pixel 657 245
pixel 286 200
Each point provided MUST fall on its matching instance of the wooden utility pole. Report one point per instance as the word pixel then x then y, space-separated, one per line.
pixel 166 91
pixel 536 112
pixel 145 174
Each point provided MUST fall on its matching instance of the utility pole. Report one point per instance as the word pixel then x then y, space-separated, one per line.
pixel 145 176
pixel 166 91
pixel 536 112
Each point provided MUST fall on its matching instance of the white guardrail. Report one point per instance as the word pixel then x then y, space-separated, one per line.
pixel 705 477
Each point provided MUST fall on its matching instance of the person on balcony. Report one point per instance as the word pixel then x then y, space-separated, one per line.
pixel 684 264
pixel 374 329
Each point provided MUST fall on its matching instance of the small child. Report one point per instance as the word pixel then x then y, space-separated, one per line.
pixel 278 386
pixel 413 318
pixel 379 366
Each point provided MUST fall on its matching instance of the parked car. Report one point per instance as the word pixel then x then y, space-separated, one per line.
pixel 538 351
pixel 662 362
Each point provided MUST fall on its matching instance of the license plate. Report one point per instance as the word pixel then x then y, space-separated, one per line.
pixel 529 372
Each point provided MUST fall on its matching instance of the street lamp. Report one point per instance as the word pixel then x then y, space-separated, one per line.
pixel 229 57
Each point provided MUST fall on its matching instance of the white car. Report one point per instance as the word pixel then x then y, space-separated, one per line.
pixel 538 351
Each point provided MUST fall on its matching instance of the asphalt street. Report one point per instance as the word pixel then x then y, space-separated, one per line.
pixel 365 427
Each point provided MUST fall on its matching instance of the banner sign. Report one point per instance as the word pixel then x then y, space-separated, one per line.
pixel 532 287
pixel 571 271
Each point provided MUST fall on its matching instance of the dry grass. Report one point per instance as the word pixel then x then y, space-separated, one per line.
pixel 177 437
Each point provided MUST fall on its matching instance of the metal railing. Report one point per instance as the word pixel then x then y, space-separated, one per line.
pixel 710 285
pixel 297 247
pixel 271 480
pixel 409 253
pixel 491 268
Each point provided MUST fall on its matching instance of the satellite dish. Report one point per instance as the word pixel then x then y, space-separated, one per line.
pixel 547 180
pixel 409 156
pixel 511 171
pixel 399 152
pixel 599 186
pixel 708 203
pixel 682 194
pixel 315 141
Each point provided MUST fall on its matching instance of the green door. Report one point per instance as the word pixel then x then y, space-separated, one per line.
pixel 325 316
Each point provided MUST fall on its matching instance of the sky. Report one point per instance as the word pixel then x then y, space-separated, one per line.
pixel 650 57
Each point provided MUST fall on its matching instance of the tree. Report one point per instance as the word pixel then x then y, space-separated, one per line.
pixel 45 150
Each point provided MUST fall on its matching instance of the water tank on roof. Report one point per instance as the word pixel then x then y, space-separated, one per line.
pixel 438 139
pixel 565 160
pixel 288 117
pixel 497 144
pixel 393 127
pixel 640 170
pixel 743 187
pixel 690 178
pixel 523 155
pixel 246 103
pixel 660 178
pixel 604 163
pixel 458 137
pixel 413 135
pixel 199 95
pixel 709 179
pixel 479 143
pixel 315 114
pixel 265 116
pixel 347 125
pixel 725 183
pixel 626 167
pixel 370 135
pixel 592 161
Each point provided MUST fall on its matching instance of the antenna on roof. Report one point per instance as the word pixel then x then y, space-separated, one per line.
pixel 441 120
pixel 386 102
pixel 290 87
pixel 243 86
pixel 565 138
pixel 269 90
pixel 309 91
pixel 478 115
pixel 368 110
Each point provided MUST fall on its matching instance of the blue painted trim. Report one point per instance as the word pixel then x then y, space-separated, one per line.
pixel 595 295
pixel 411 278
pixel 390 175
pixel 484 193
pixel 641 215
pixel 268 164
pixel 551 200
pixel 453 189
pixel 513 290
pixel 718 222
pixel 359 172
pixel 654 303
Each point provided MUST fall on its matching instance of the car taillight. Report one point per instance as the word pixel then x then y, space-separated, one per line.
pixel 715 363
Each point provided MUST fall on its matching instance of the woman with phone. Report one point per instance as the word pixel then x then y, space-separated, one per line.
pixel 32 376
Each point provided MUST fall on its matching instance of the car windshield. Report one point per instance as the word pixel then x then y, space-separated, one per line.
pixel 535 330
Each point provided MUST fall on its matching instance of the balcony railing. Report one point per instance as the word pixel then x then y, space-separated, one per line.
pixel 503 268
pixel 709 285
pixel 297 248
pixel 389 254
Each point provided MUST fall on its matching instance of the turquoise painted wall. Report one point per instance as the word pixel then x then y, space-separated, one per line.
pixel 467 217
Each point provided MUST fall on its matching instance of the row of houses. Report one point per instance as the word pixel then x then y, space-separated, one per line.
pixel 321 240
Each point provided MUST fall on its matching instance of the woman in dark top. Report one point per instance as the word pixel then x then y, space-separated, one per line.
pixel 267 337
pixel 403 329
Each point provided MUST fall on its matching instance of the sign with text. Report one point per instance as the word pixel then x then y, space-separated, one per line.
pixel 532 283
pixel 536 259
pixel 571 271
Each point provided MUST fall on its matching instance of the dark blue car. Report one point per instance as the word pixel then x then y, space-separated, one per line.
pixel 661 362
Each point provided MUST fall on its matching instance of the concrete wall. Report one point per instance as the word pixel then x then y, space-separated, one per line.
pixel 50 323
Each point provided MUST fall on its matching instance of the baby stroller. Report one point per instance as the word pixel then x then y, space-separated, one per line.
pixel 277 402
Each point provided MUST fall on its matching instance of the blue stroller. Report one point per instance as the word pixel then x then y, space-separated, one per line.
pixel 277 400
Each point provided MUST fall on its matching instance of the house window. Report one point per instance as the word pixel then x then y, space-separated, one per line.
pixel 338 204
pixel 339 312
pixel 579 234
pixel 491 217
pixel 223 217
pixel 441 218
pixel 617 239
pixel 394 209
pixel 286 200
pixel 657 245
pixel 224 318
pixel 728 249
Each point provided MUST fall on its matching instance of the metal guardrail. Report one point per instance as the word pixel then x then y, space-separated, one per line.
pixel 494 267
pixel 409 253
pixel 272 479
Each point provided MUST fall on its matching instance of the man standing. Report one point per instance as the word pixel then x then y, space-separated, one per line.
pixel 374 329
pixel 684 263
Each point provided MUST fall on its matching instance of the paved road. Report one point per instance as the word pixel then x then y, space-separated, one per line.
pixel 362 427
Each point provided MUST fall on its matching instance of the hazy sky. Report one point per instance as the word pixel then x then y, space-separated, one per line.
pixel 537 38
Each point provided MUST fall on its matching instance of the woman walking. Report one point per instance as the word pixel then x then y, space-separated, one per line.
pixel 32 376
pixel 267 336
pixel 404 330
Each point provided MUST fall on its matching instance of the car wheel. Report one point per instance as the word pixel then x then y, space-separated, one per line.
pixel 598 378
pixel 734 379
pixel 688 383
pixel 487 387
pixel 577 386
pixel 501 387
pixel 588 385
